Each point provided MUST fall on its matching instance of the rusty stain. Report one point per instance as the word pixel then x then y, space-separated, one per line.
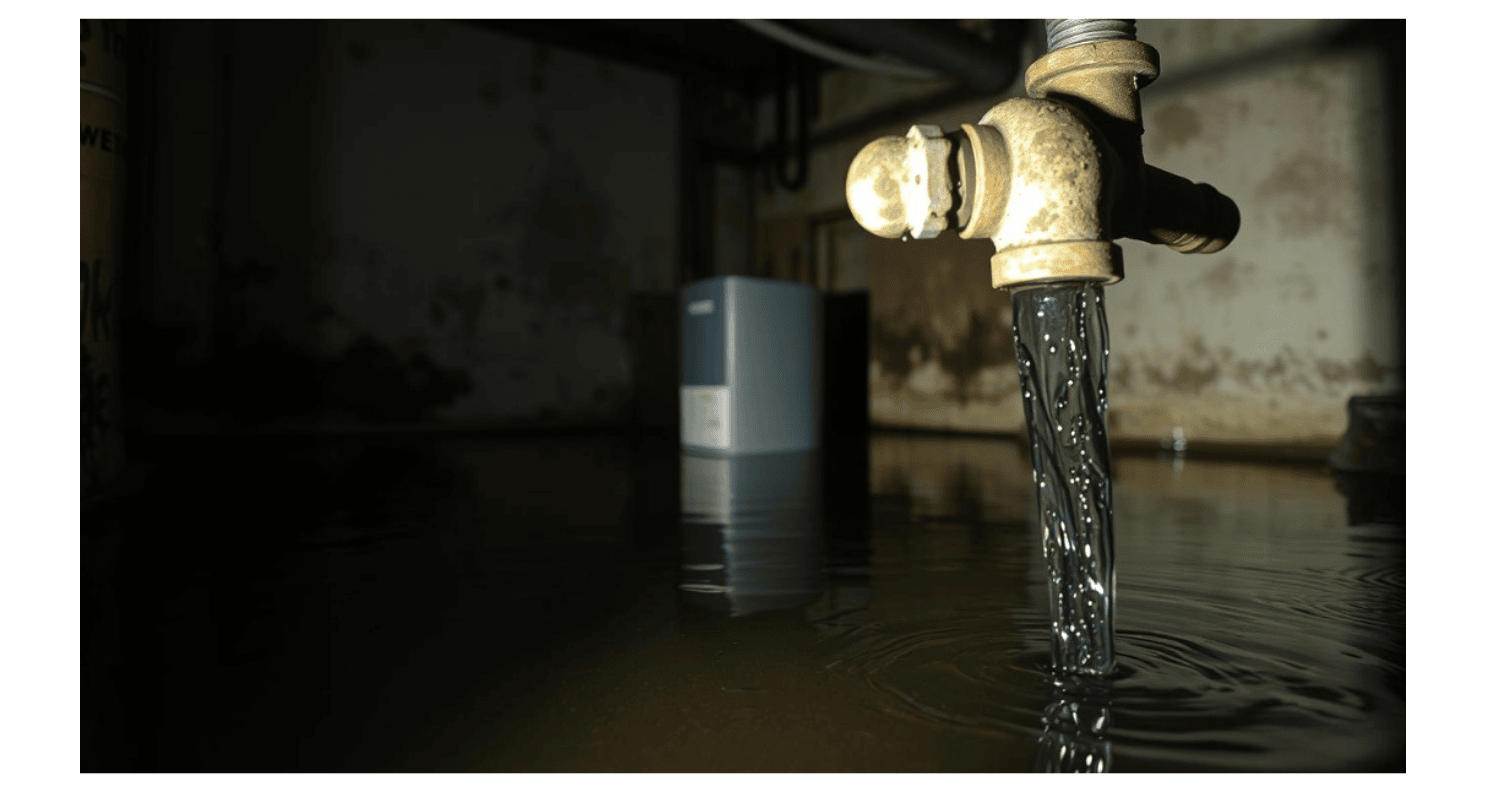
pixel 1367 369
pixel 896 350
pixel 1306 189
pixel 1186 379
pixel 1304 175
pixel 1287 370
pixel 1196 347
pixel 1332 371
pixel 979 347
pixel 1174 126
pixel 1222 281
pixel 962 341
pixel 1306 78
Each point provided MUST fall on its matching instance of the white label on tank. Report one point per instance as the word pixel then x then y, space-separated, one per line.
pixel 704 306
pixel 705 416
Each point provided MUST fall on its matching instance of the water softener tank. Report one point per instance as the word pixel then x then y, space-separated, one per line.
pixel 751 366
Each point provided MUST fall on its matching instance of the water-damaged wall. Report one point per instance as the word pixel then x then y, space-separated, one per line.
pixel 1267 339
pixel 1261 343
pixel 404 223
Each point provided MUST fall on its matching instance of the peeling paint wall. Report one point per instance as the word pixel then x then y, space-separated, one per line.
pixel 427 223
pixel 1262 343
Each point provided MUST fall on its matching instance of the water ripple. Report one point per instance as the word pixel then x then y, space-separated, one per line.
pixel 1174 699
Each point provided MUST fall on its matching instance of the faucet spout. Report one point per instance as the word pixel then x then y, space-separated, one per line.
pixel 1051 179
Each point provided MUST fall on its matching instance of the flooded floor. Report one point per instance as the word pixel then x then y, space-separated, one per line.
pixel 590 603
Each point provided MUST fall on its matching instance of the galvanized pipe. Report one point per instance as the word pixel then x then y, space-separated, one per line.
pixel 1063 33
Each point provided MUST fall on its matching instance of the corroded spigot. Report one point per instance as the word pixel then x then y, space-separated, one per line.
pixel 1052 179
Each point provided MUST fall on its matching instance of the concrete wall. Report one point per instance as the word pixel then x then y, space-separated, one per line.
pixel 404 223
pixel 1262 343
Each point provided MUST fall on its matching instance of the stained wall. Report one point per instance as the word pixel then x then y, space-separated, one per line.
pixel 395 223
pixel 1262 343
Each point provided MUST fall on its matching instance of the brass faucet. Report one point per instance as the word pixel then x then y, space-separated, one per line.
pixel 1052 178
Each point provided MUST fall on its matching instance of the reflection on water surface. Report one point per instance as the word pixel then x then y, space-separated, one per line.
pixel 554 605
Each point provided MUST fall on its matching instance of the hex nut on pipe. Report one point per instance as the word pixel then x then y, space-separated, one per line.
pixel 898 184
pixel 984 177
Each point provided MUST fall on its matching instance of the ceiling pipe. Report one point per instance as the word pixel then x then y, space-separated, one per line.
pixel 941 45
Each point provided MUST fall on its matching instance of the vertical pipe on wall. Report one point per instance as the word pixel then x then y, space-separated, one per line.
pixel 103 151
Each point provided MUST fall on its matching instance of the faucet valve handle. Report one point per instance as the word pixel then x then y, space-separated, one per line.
pixel 900 183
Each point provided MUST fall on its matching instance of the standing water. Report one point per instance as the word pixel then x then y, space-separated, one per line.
pixel 516 603
pixel 1062 346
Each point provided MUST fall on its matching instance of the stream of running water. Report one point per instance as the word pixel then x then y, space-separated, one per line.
pixel 1062 349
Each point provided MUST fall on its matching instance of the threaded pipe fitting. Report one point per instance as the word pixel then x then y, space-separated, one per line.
pixel 1072 32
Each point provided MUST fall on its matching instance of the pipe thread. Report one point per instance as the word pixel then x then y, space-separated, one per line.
pixel 1063 33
